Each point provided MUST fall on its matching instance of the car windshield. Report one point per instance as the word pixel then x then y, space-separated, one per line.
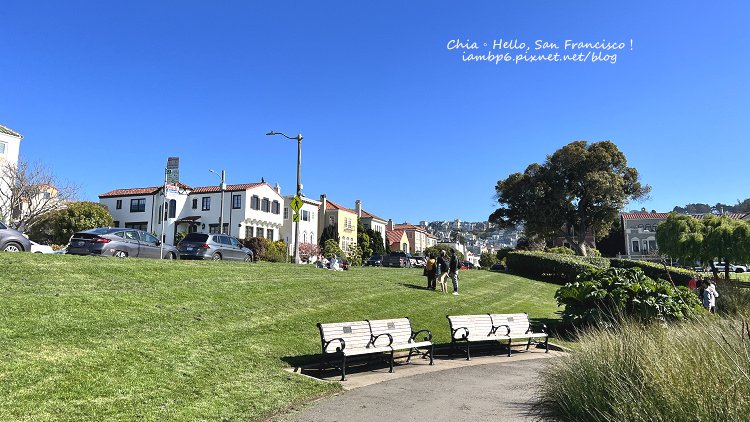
pixel 2 226
pixel 102 230
pixel 376 257
pixel 195 237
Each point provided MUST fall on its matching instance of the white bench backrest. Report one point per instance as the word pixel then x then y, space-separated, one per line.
pixel 518 323
pixel 478 325
pixel 398 328
pixel 356 334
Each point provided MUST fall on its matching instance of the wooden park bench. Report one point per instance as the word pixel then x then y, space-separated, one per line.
pixel 342 340
pixel 504 328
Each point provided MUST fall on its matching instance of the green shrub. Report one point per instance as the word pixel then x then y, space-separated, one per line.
pixel 487 260
pixel 734 299
pixel 503 253
pixel 604 295
pixel 267 250
pixel 561 250
pixel 556 268
pixel 690 371
pixel 435 250
pixel 331 248
pixel 355 256
pixel 680 276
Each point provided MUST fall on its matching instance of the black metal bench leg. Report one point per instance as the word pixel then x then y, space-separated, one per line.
pixel 391 371
pixel 408 358
pixel 528 344
pixel 432 350
pixel 509 341
pixel 468 352
pixel 546 344
pixel 343 368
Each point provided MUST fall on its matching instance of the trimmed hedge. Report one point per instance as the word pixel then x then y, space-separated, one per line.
pixel 552 267
pixel 652 270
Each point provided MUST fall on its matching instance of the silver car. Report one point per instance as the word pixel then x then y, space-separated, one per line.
pixel 13 240
pixel 120 243
pixel 213 246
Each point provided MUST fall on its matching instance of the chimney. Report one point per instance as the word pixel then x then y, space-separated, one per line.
pixel 358 208
pixel 389 226
pixel 278 188
pixel 322 214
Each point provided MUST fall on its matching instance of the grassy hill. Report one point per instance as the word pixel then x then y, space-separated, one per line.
pixel 96 338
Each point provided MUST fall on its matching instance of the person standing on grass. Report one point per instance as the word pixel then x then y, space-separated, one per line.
pixel 430 269
pixel 453 271
pixel 442 272
pixel 709 296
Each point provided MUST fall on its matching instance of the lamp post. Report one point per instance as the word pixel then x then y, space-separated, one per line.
pixel 223 187
pixel 297 138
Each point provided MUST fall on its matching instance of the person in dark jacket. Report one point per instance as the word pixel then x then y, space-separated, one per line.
pixel 442 274
pixel 453 271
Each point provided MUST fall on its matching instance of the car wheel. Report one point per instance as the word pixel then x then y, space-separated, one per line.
pixel 739 270
pixel 248 258
pixel 171 256
pixel 216 256
pixel 120 254
pixel 12 247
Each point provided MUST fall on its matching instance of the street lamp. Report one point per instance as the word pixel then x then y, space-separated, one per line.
pixel 223 187
pixel 297 138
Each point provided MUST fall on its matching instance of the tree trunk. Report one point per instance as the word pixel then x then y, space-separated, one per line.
pixel 726 269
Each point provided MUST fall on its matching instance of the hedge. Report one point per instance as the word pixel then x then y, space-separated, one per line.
pixel 552 267
pixel 680 276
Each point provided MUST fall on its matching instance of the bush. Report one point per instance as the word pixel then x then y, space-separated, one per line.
pixel 57 226
pixel 680 276
pixel 331 248
pixel 611 294
pixel 442 247
pixel 551 267
pixel 487 260
pixel 672 372
pixel 733 299
pixel 561 250
pixel 355 256
pixel 267 250
pixel 503 253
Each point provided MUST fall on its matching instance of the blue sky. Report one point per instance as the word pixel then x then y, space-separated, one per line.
pixel 104 92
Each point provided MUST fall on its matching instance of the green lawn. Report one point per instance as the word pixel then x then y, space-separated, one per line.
pixel 97 338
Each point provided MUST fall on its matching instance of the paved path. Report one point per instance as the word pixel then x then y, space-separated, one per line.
pixel 492 392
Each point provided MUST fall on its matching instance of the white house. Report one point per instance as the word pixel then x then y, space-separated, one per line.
pixel 308 223
pixel 371 221
pixel 10 145
pixel 249 210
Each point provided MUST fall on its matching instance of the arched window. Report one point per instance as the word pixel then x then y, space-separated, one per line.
pixel 172 208
pixel 304 237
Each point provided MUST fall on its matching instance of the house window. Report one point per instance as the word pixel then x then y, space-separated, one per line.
pixel 652 245
pixel 236 202
pixel 141 225
pixel 160 214
pixel 248 232
pixel 138 205
pixel 305 215
pixel 213 228
pixel 266 207
pixel 226 228
pixel 330 219
pixel 195 203
pixel 636 246
pixel 115 223
pixel 647 228
pixel 206 204
pixel 259 232
pixel 3 147
pixel 275 207
pixel 645 247
pixel 405 247
pixel 255 202
pixel 286 213
pixel 172 208
pixel 269 234
pixel 118 204
pixel 304 237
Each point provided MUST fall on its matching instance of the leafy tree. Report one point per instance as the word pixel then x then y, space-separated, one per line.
pixel 363 240
pixel 533 243
pixel 307 250
pixel 57 226
pixel 329 232
pixel 562 250
pixel 355 256
pixel 487 259
pixel 376 242
pixel 331 247
pixel 442 247
pixel 581 186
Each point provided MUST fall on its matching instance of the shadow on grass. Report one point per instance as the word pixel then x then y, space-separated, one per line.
pixel 415 286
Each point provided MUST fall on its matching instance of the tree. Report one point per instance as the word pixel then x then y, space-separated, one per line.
pixel 435 250
pixel 581 186
pixel 376 242
pixel 57 226
pixel 329 232
pixel 28 191
pixel 307 250
pixel 363 241
pixel 331 247
pixel 487 260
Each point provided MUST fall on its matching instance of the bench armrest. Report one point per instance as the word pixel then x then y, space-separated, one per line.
pixel 338 349
pixel 373 339
pixel 541 327
pixel 495 327
pixel 414 335
pixel 464 336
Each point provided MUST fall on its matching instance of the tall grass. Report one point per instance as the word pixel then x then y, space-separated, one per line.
pixel 690 371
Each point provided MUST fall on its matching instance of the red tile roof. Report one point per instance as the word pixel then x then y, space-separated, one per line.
pixel 330 204
pixel 394 236
pixel 131 191
pixel 731 215
pixel 366 214
pixel 410 227
pixel 644 215
pixel 201 189
pixel 230 188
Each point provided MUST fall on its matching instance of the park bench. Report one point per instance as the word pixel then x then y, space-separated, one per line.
pixel 503 328
pixel 342 340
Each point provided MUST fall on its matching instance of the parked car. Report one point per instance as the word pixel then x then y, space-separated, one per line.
pixel 497 267
pixel 120 243
pixel 37 248
pixel 374 261
pixel 398 259
pixel 13 240
pixel 732 267
pixel 466 265
pixel 418 261
pixel 213 246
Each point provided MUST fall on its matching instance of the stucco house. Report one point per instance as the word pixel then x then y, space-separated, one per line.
pixel 344 219
pixel 371 221
pixel 418 237
pixel 308 222
pixel 10 145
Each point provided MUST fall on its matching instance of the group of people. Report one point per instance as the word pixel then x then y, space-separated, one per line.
pixel 437 270
pixel 707 293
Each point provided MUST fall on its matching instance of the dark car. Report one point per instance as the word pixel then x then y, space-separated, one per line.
pixel 374 261
pixel 497 267
pixel 120 243
pixel 466 265
pixel 13 240
pixel 213 246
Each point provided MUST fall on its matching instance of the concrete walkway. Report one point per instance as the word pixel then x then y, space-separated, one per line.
pixel 494 388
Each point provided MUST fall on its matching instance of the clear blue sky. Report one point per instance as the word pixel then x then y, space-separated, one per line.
pixel 104 92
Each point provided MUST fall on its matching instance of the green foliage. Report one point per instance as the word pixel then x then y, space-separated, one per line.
pixel 679 276
pixel 561 250
pixel 267 250
pixel 605 295
pixel 258 245
pixel 376 242
pixel 331 248
pixel 487 259
pixel 435 250
pixel 555 268
pixel 329 232
pixel 734 299
pixel 355 255
pixel 502 253
pixel 57 226
pixel 581 185
pixel 690 371
pixel 363 241
pixel 179 236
